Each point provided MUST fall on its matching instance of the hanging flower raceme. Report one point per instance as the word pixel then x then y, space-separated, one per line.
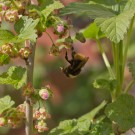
pixel 39 116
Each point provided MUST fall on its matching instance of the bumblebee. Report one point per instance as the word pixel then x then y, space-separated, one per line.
pixel 76 64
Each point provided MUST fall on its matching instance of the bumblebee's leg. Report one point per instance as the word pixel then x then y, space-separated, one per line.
pixel 66 57
pixel 73 52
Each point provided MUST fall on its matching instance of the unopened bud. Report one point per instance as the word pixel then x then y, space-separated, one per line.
pixel 44 94
pixel 11 16
pixel 25 52
pixel 60 28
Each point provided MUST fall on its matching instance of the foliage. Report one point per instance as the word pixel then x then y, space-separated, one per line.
pixel 122 114
pixel 77 126
pixel 6 36
pixel 102 128
pixel 116 24
pixel 93 32
pixel 4 59
pixel 26 29
pixel 15 76
pixel 105 84
pixel 5 104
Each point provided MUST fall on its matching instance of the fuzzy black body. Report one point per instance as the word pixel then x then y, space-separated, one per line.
pixel 76 64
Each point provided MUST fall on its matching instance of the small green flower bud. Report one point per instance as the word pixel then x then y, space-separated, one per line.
pixel 80 37
pixel 54 50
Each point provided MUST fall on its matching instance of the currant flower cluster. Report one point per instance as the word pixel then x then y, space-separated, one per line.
pixel 65 41
pixel 13 118
pixel 12 10
pixel 16 116
pixel 14 51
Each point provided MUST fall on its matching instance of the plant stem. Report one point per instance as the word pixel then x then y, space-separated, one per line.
pixel 29 107
pixel 128 42
pixel 129 86
pixel 118 52
pixel 114 56
pixel 50 37
pixel 106 60
pixel 121 64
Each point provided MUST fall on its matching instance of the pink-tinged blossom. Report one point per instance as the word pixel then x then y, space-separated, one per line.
pixel 60 28
pixel 40 114
pixel 22 108
pixel 44 94
pixel 2 122
pixel 11 16
pixel 4 7
pixel 41 126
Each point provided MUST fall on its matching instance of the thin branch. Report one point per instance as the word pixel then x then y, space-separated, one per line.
pixel 132 131
pixel 50 37
pixel 106 60
pixel 29 107
pixel 129 86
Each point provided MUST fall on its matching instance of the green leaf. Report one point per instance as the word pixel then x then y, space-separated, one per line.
pixel 105 2
pixel 92 32
pixel 45 3
pixel 102 128
pixel 19 25
pixel 83 126
pixel 77 126
pixel 130 4
pixel 131 67
pixel 80 37
pixel 15 76
pixel 116 27
pixel 122 111
pixel 5 104
pixel 94 112
pixel 6 25
pixel 27 32
pixel 67 127
pixel 72 127
pixel 105 84
pixel 112 25
pixel 4 59
pixel 6 36
pixel 50 8
pixel 91 10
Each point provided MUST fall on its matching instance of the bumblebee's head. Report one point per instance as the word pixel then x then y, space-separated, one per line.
pixel 61 68
pixel 67 72
pixel 64 70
